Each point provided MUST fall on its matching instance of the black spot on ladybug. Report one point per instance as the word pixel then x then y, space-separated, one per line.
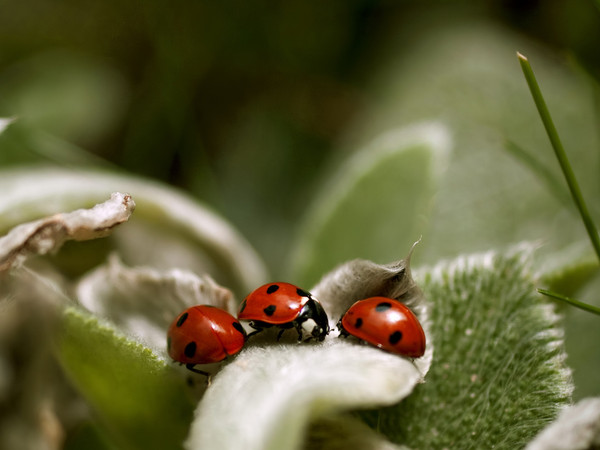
pixel 358 323
pixel 272 288
pixel 383 306
pixel 243 306
pixel 302 293
pixel 190 350
pixel 269 310
pixel 238 327
pixel 395 337
pixel 182 319
pixel 169 344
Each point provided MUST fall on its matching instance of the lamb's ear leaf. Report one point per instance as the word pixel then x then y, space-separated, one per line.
pixel 266 398
pixel 140 400
pixel 576 427
pixel 183 232
pixel 376 205
pixel 570 271
pixel 499 374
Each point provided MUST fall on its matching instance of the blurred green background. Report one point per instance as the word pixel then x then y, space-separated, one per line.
pixel 250 106
pixel 238 102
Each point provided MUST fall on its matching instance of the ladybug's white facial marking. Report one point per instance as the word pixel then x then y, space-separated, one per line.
pixel 308 326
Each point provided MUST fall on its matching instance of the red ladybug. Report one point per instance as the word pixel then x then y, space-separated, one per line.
pixel 285 306
pixel 204 334
pixel 386 324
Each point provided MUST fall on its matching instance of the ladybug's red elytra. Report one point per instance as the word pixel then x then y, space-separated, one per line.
pixel 385 323
pixel 286 306
pixel 204 334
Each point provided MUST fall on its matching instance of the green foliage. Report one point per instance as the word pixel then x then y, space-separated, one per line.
pixel 242 110
pixel 134 393
pixel 467 77
pixel 375 206
pixel 571 277
pixel 499 375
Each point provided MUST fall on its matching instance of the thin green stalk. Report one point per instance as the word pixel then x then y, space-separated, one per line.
pixel 572 301
pixel 560 152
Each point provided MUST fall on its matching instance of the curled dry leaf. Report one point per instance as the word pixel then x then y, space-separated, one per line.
pixel 577 427
pixel 266 398
pixel 47 235
pixel 142 301
pixel 181 230
pixel 360 279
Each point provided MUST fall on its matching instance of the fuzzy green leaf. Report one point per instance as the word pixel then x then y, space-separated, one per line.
pixel 569 270
pixel 376 205
pixel 135 393
pixel 467 77
pixel 499 375
pixel 576 427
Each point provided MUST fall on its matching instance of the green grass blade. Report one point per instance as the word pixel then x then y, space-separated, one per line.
pixel 560 152
pixel 571 301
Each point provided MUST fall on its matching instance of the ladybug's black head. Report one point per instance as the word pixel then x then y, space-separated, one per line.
pixel 313 320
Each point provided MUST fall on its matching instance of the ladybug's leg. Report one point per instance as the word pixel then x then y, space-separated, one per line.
pixel 193 369
pixel 284 327
pixel 298 327
pixel 343 332
pixel 280 333
pixel 257 328
pixel 253 333
pixel 201 372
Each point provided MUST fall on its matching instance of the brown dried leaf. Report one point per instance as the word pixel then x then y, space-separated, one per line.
pixel 48 234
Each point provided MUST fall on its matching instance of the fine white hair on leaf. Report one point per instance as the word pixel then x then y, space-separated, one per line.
pixel 48 234
pixel 143 301
pixel 266 398
pixel 359 279
pixel 577 427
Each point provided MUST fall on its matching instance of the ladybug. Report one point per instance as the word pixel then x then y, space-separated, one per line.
pixel 386 324
pixel 286 306
pixel 204 334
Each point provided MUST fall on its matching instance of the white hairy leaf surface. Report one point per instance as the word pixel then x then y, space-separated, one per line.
pixel 143 301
